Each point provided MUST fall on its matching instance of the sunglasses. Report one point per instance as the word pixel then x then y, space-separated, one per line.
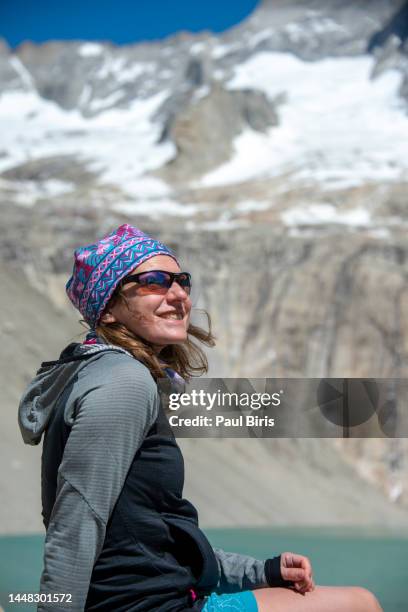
pixel 159 281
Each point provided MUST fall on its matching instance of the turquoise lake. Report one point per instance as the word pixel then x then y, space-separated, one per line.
pixel 372 558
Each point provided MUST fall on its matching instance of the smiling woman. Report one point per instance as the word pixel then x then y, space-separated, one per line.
pixel 120 534
pixel 154 304
pixel 149 315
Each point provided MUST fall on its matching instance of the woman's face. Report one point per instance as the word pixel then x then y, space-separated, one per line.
pixel 151 316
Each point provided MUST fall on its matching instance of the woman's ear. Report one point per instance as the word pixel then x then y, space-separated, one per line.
pixel 108 317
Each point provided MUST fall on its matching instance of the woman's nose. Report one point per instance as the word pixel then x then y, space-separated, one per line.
pixel 177 292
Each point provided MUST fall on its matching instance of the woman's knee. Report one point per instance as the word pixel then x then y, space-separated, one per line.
pixel 322 599
pixel 365 600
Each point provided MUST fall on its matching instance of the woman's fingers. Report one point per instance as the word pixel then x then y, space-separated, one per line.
pixel 294 560
pixel 307 566
pixel 298 570
pixel 305 586
pixel 295 574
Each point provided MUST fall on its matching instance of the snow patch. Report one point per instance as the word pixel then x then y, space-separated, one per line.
pixel 222 224
pixel 27 193
pixel 101 103
pixel 122 144
pixel 219 74
pixel 85 96
pixel 381 233
pixel 22 72
pixel 314 26
pixel 318 214
pixel 201 92
pixel 295 31
pixel 55 187
pixel 119 69
pixel 251 158
pixel 246 206
pixel 156 208
pixel 90 50
pixel 221 50
pixel 396 491
pixel 261 36
pixel 336 125
pixel 197 47
pixel 150 187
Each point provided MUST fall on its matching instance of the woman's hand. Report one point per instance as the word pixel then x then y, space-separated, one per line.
pixel 298 569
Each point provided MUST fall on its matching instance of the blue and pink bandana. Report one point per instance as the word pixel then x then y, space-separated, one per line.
pixel 99 267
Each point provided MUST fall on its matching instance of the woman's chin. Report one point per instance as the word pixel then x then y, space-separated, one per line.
pixel 173 338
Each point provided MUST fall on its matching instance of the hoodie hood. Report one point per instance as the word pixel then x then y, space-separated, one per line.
pixel 40 397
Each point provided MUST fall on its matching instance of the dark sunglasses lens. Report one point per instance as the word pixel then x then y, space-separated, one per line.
pixel 184 280
pixel 157 282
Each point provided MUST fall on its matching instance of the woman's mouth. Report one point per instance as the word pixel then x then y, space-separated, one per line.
pixel 172 316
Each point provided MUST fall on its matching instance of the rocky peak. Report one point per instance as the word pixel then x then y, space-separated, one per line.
pixel 317 28
pixel 204 132
pixel 396 26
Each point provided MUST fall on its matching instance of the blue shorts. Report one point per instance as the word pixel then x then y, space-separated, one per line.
pixel 231 602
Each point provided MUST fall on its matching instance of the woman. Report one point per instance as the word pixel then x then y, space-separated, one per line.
pixel 120 536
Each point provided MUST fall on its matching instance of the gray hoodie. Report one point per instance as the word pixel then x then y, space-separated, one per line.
pixel 110 401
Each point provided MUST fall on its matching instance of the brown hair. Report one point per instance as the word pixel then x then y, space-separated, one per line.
pixel 187 358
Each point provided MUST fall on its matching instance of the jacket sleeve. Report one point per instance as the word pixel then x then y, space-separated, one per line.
pixel 241 572
pixel 117 404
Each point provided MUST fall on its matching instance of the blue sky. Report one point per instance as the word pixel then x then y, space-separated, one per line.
pixel 121 21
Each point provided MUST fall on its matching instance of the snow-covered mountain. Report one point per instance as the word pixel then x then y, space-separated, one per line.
pixel 301 96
